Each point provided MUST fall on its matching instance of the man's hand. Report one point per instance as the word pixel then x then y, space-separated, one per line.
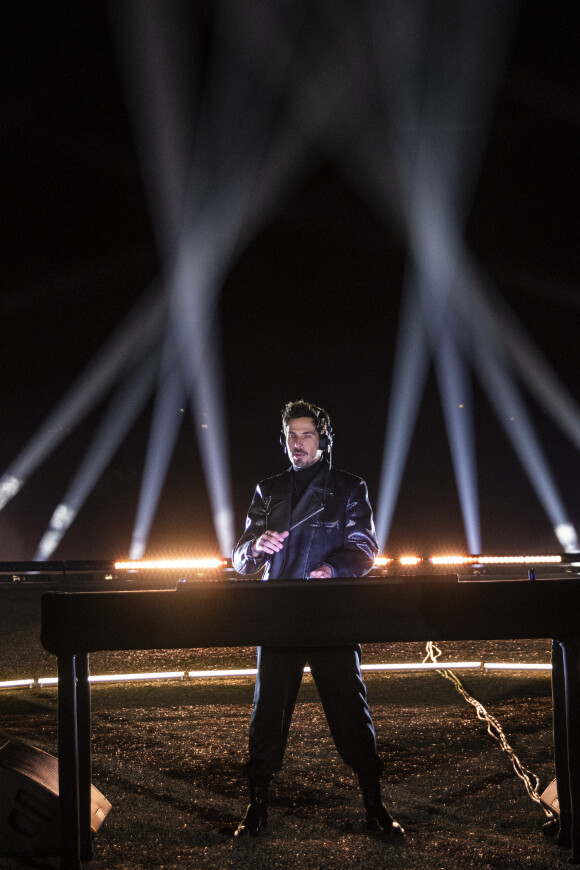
pixel 269 542
pixel 321 572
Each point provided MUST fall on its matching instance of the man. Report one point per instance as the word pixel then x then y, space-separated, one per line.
pixel 312 521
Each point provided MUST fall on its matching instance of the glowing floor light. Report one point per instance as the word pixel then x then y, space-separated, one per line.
pixel 211 564
pixel 226 673
pixel 422 666
pixel 495 560
pixel 383 561
pixel 16 684
pixel 155 675
pixel 233 672
pixel 121 678
pixel 509 666
pixel 410 560
pixel 517 560
pixel 451 560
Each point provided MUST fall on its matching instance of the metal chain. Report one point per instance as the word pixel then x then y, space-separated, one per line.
pixel 494 729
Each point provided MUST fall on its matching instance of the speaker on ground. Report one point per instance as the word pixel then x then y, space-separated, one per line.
pixel 29 801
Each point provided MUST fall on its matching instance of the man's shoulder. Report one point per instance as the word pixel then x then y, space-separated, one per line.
pixel 275 481
pixel 346 477
pixel 338 475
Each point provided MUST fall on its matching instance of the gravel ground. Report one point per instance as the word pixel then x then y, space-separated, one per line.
pixel 169 756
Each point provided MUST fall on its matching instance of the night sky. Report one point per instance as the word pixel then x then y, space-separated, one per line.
pixel 308 309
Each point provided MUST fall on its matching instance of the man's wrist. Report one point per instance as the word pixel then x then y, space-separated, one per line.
pixel 254 552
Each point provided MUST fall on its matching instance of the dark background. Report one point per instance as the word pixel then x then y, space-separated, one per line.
pixel 309 309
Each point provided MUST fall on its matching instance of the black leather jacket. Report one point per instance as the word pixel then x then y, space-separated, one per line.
pixel 337 527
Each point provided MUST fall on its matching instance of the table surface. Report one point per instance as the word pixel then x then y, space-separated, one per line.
pixel 310 613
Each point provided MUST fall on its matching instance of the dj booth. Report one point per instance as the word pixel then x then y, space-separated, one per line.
pixel 304 613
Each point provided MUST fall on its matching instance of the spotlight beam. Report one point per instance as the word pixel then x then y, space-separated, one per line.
pixel 131 340
pixel 513 415
pixel 192 315
pixel 152 80
pixel 481 304
pixel 222 204
pixel 409 376
pixel 205 185
pixel 434 155
pixel 438 71
pixel 155 51
pixel 456 401
pixel 122 413
pixel 438 156
pixel 165 425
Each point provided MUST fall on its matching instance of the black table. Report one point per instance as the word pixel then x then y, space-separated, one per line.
pixel 300 613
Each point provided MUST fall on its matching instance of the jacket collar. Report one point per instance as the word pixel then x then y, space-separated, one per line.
pixel 312 501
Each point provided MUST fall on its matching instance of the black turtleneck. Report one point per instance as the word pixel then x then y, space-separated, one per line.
pixel 301 477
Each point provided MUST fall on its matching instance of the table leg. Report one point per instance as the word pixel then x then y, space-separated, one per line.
pixel 561 745
pixel 68 784
pixel 571 658
pixel 84 750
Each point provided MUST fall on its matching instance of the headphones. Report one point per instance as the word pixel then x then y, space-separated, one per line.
pixel 322 424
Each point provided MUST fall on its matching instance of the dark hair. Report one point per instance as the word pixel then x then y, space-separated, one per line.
pixel 300 408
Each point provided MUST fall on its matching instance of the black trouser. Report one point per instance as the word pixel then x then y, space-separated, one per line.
pixel 337 674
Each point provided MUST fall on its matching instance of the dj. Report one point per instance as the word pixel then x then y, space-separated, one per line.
pixel 311 521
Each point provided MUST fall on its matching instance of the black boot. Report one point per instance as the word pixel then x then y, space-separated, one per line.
pixel 256 817
pixel 377 818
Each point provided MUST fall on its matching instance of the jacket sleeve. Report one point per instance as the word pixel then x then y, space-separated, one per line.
pixel 356 556
pixel 244 562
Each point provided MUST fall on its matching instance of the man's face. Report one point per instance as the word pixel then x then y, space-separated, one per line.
pixel 302 442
